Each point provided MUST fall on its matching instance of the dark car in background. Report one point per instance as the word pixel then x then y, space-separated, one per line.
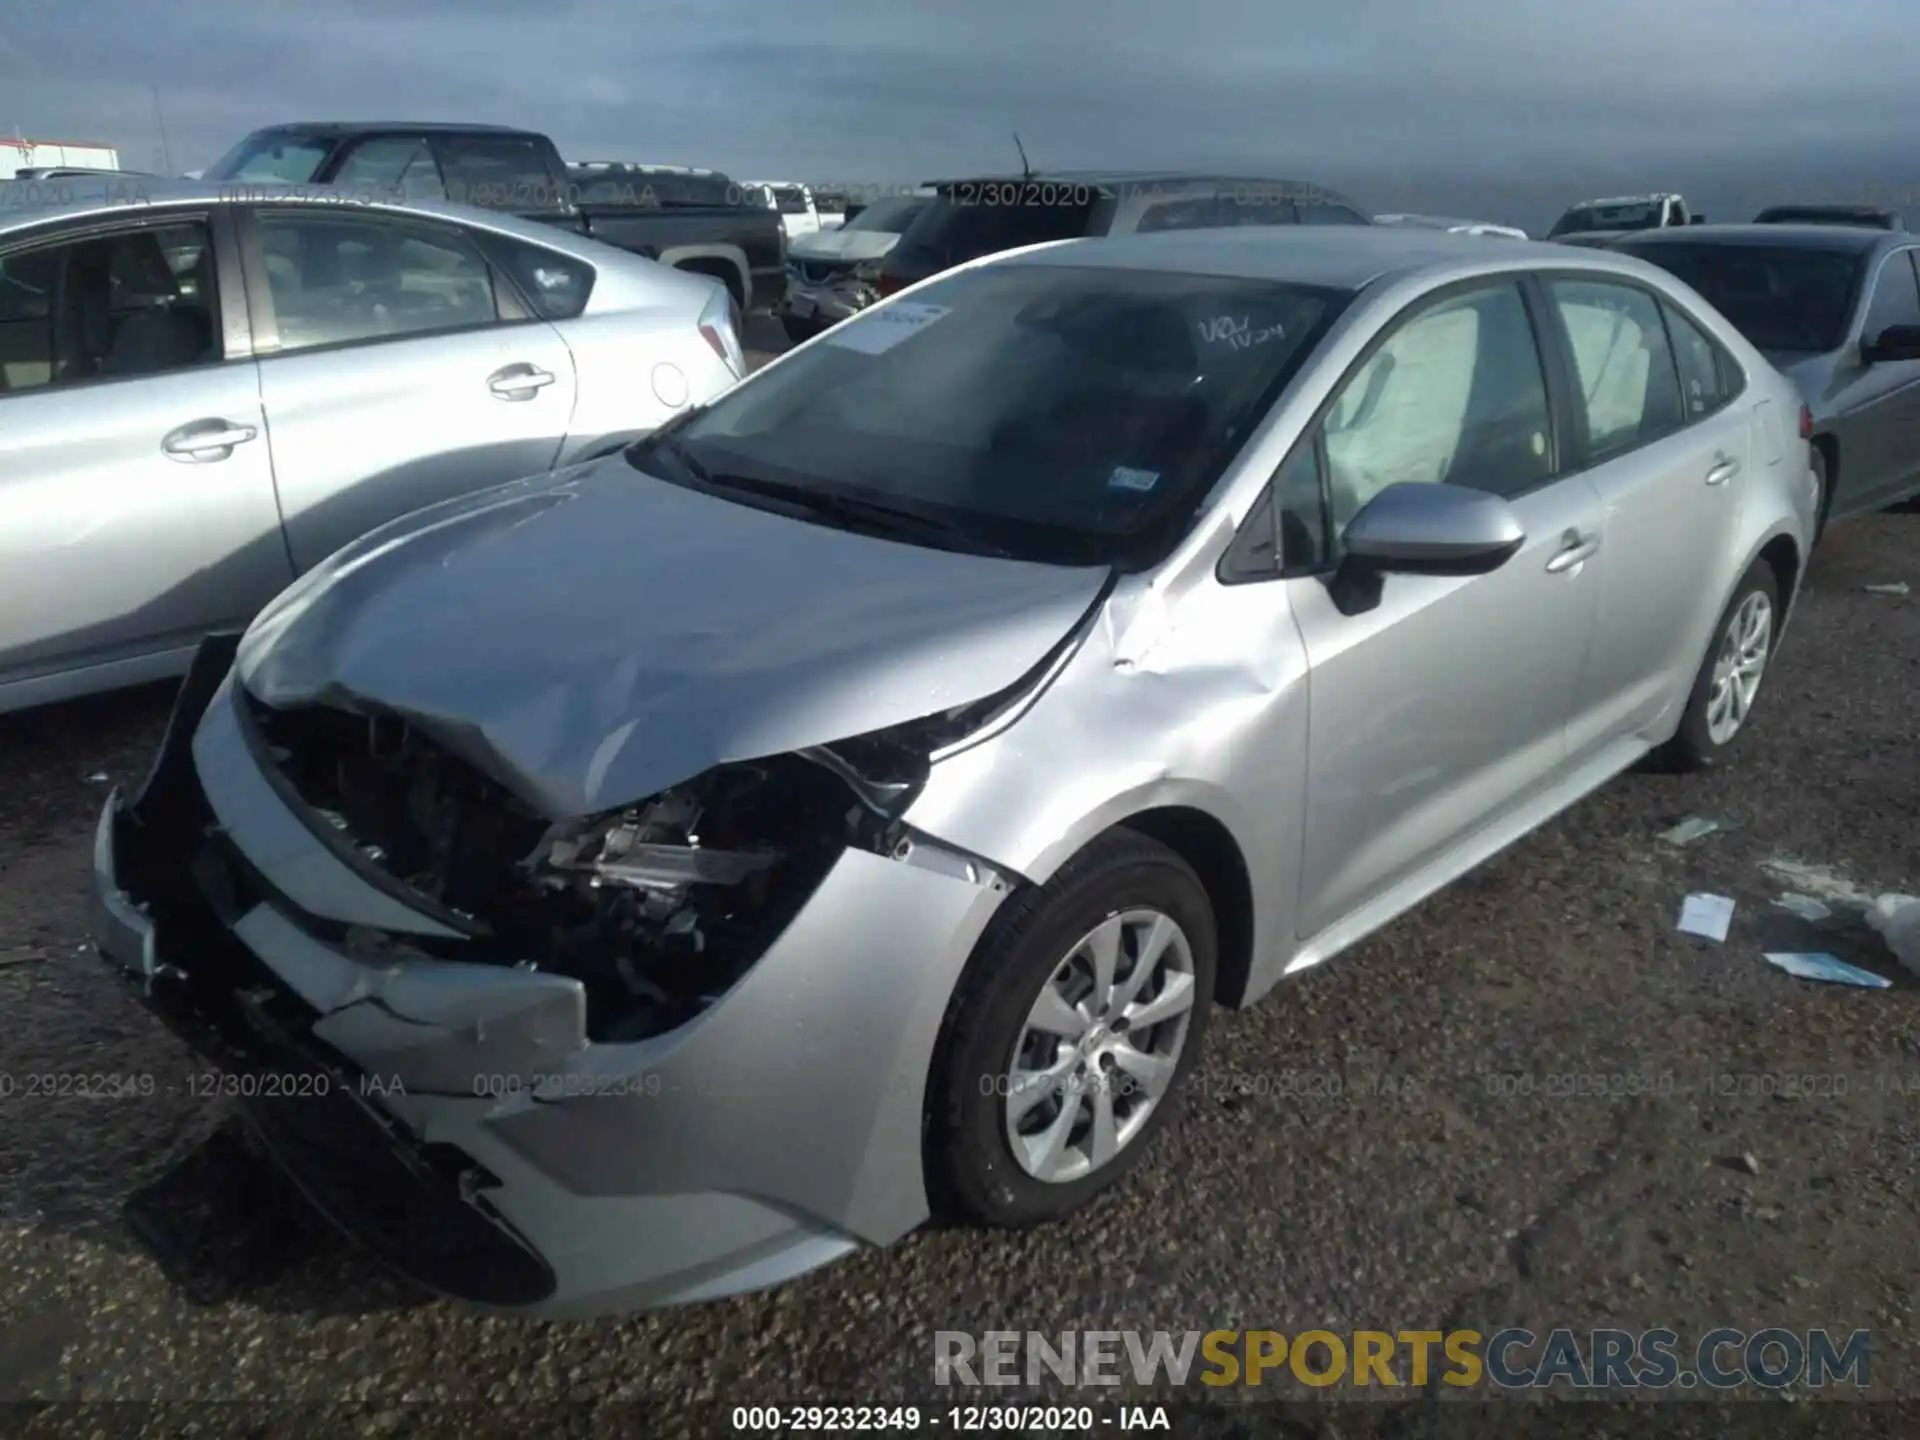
pixel 1837 309
pixel 987 214
pixel 1870 216
pixel 520 171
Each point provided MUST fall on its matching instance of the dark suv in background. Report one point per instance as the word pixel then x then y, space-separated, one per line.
pixel 984 215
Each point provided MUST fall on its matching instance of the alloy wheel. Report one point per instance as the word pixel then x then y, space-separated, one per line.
pixel 1100 1046
pixel 1745 647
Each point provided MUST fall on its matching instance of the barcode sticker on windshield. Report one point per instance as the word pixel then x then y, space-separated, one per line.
pixel 1124 477
pixel 878 331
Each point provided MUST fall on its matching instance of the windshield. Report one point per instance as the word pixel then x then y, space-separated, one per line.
pixel 1785 298
pixel 272 155
pixel 1635 215
pixel 1070 415
pixel 891 215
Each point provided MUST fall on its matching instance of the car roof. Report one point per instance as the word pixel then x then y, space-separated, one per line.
pixel 1847 239
pixel 1140 177
pixel 1335 257
pixel 365 127
pixel 103 196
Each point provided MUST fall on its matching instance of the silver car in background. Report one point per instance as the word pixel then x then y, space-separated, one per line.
pixel 848 804
pixel 206 390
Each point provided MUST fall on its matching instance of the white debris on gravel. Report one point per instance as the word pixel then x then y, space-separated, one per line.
pixel 1894 587
pixel 1708 916
pixel 1805 906
pixel 1694 827
pixel 1821 882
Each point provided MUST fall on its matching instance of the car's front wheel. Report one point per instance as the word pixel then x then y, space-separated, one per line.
pixel 1073 1029
pixel 1728 683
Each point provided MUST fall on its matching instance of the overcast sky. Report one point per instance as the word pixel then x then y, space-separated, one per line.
pixel 1500 109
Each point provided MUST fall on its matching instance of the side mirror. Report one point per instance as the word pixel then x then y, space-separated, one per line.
pixel 1896 342
pixel 1413 529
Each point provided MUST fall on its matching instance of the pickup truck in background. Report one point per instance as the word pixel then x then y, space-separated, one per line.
pixel 679 217
pixel 1599 222
pixel 802 210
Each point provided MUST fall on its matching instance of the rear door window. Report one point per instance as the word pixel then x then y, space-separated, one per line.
pixel 338 278
pixel 501 172
pixel 1629 388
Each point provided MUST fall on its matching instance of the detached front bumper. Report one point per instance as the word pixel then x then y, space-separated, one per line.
pixel 455 1119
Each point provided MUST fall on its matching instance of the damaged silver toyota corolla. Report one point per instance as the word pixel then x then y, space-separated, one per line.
pixel 847 804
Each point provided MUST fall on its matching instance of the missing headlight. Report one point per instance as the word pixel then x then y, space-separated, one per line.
pixel 661 907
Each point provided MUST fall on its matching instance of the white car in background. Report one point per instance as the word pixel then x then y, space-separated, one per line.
pixel 1457 227
pixel 800 213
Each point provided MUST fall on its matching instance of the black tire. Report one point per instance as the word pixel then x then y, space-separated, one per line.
pixel 1693 746
pixel 800 331
pixel 972 1172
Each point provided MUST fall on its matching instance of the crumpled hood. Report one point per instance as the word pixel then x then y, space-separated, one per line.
pixel 592 637
pixel 850 245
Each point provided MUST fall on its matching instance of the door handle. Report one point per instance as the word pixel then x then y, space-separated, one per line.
pixel 1577 549
pixel 518 382
pixel 1725 467
pixel 203 440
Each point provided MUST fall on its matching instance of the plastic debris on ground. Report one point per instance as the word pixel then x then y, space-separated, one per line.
pixel 99 777
pixel 1708 916
pixel 1805 906
pixel 1897 918
pixel 1820 882
pixel 1895 587
pixel 1694 827
pixel 1830 968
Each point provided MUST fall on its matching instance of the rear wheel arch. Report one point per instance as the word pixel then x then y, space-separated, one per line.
pixel 1828 449
pixel 1783 558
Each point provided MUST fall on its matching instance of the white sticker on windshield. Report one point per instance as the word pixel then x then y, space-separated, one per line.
pixel 1124 477
pixel 878 331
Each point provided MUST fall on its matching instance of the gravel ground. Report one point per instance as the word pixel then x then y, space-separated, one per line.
pixel 1382 1144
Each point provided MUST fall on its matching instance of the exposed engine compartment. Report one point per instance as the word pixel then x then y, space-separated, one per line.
pixel 656 909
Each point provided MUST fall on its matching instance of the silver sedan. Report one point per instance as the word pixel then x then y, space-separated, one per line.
pixel 206 390
pixel 848 804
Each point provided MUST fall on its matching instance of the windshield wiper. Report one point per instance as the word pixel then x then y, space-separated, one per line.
pixel 871 515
